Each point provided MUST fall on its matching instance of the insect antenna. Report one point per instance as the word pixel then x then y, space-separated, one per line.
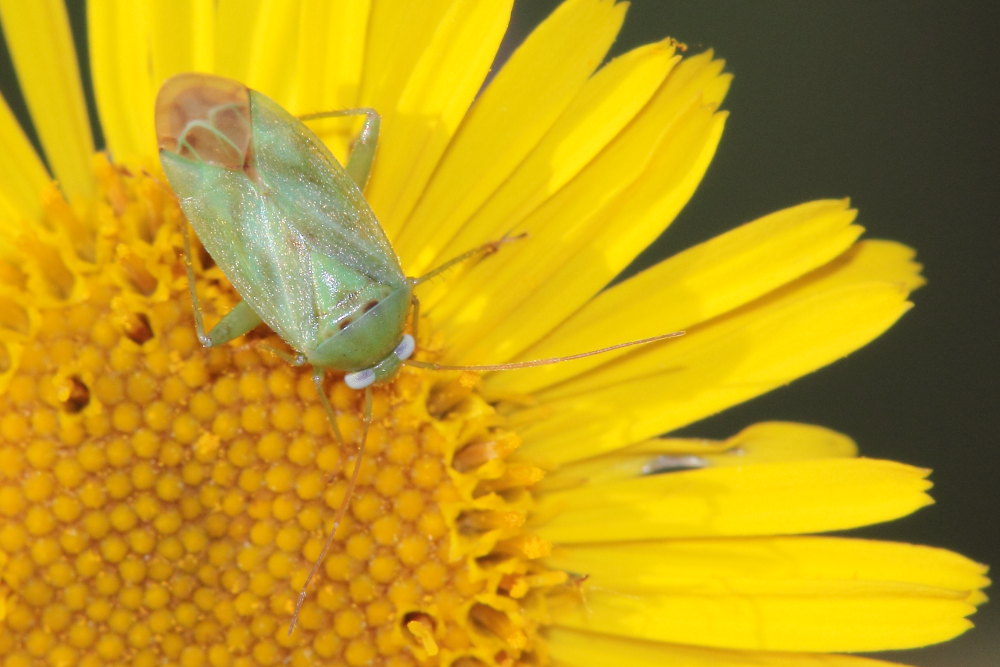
pixel 351 486
pixel 514 365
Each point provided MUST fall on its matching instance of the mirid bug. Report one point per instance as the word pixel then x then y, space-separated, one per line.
pixel 290 228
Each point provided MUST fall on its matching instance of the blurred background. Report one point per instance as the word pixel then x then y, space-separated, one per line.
pixel 892 103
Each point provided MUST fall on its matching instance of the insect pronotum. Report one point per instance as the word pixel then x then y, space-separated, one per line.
pixel 290 228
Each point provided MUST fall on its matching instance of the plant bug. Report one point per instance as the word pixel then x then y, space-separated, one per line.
pixel 290 228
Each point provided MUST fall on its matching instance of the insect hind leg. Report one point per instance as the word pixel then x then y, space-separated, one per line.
pixel 359 163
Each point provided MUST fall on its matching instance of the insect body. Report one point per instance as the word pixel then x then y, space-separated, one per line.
pixel 288 226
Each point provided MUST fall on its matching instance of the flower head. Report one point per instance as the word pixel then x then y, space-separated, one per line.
pixel 162 502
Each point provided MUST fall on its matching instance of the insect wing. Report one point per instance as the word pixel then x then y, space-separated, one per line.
pixel 287 226
pixel 322 203
pixel 242 231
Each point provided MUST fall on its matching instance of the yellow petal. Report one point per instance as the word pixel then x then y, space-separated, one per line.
pixel 770 342
pixel 119 38
pixel 22 174
pixel 182 38
pixel 693 286
pixel 236 24
pixel 398 32
pixel 529 93
pixel 766 499
pixel 860 618
pixel 255 39
pixel 760 443
pixel 599 222
pixel 768 565
pixel 780 441
pixel 49 78
pixel 332 37
pixel 578 648
pixel 434 99
pixel 603 107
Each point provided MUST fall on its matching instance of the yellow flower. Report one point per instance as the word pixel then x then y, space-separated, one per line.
pixel 161 503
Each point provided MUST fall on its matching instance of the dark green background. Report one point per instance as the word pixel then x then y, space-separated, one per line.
pixel 890 102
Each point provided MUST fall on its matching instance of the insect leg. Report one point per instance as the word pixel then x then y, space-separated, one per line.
pixel 485 249
pixel 318 376
pixel 238 321
pixel 290 359
pixel 359 163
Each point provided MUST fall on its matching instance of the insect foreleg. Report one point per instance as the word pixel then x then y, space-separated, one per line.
pixel 318 376
pixel 359 163
pixel 238 321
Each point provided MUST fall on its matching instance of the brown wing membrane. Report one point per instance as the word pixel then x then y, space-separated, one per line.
pixel 203 117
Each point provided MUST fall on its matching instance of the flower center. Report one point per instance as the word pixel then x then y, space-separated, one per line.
pixel 162 501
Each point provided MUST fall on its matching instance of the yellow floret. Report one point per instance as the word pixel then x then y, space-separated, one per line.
pixel 164 502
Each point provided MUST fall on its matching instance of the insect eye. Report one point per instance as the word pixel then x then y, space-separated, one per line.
pixel 360 379
pixel 405 347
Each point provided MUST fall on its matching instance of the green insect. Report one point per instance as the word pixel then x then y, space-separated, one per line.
pixel 290 228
